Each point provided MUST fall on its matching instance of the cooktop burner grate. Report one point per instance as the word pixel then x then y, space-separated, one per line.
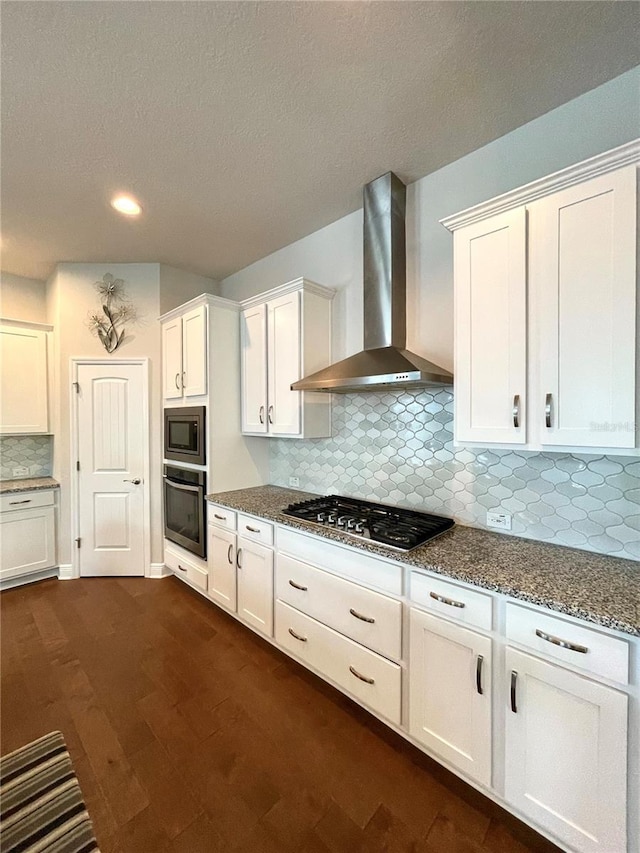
pixel 395 527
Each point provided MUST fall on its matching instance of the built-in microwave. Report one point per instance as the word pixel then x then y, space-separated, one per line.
pixel 185 434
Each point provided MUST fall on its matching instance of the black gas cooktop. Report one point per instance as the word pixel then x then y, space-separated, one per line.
pixel 394 527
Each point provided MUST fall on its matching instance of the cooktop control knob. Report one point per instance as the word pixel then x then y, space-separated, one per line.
pixel 331 518
pixel 359 528
pixel 351 523
pixel 342 520
pixel 320 517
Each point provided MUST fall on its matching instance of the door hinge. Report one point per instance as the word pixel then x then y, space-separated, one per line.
pixel 76 385
pixel 78 542
pixel 78 465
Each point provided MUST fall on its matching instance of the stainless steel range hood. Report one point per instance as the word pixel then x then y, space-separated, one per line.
pixel 384 362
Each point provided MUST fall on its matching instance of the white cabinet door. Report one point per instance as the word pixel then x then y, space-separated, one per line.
pixel 222 566
pixel 28 541
pixel 566 754
pixel 450 693
pixel 255 585
pixel 194 352
pixel 254 369
pixel 23 384
pixel 172 359
pixel 491 329
pixel 283 335
pixel 583 275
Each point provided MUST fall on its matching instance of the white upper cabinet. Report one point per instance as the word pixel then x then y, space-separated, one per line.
pixel 491 329
pixel 286 334
pixel 184 355
pixel 583 280
pixel 23 380
pixel 545 311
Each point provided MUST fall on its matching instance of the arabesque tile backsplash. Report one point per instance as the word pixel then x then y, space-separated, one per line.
pixel 397 448
pixel 26 451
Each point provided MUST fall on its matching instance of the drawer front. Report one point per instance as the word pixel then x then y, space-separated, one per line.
pixel 453 601
pixel 370 618
pixel 348 562
pixel 590 650
pixel 255 529
pixel 342 661
pixel 221 516
pixel 185 569
pixel 26 500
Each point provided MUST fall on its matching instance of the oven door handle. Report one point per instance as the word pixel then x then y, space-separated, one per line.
pixel 180 486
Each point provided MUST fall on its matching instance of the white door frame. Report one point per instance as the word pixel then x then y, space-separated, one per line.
pixel 74 363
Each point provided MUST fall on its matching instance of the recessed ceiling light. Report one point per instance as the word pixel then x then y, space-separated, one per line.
pixel 126 204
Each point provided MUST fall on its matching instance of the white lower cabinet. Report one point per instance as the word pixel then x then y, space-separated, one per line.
pixel 186 566
pixel 450 690
pixel 28 534
pixel 221 550
pixel 566 754
pixel 255 585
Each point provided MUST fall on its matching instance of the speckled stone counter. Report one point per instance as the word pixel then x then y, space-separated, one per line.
pixel 30 484
pixel 600 589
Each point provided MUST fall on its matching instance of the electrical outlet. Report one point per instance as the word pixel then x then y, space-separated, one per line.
pixel 21 472
pixel 294 481
pixel 499 520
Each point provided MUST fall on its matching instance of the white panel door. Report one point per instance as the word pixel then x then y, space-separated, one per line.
pixel 491 329
pixel 283 335
pixel 221 560
pixel 255 585
pixel 254 369
pixel 111 411
pixel 194 352
pixel 583 274
pixel 172 359
pixel 23 382
pixel 566 754
pixel 450 693
pixel 28 541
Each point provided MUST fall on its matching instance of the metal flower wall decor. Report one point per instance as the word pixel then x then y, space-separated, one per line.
pixel 116 312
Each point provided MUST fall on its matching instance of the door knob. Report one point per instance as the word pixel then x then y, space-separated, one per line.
pixel 136 481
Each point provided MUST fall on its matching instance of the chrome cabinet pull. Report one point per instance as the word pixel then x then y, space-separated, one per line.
pixel 177 382
pixel 514 681
pixel 15 503
pixel 221 517
pixel 564 644
pixel 252 529
pixel 361 677
pixel 548 404
pixel 450 601
pixel 181 568
pixel 297 636
pixel 184 373
pixel 298 586
pixel 270 414
pixel 516 411
pixel 136 481
pixel 229 560
pixel 360 616
pixel 479 663
pixel 261 414
pixel 238 563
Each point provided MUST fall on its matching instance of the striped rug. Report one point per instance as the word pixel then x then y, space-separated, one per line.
pixel 41 805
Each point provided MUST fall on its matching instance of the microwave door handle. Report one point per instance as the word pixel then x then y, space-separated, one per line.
pixel 180 486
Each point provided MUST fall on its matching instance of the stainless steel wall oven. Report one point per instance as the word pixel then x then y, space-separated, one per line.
pixel 184 508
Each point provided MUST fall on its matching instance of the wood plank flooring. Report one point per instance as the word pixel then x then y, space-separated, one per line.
pixel 190 734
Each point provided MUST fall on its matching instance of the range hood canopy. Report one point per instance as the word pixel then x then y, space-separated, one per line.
pixel 384 362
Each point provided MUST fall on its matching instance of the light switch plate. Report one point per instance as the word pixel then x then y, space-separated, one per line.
pixel 499 520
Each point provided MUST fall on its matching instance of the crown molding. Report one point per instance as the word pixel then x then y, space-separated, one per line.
pixel 196 302
pixel 303 284
pixel 625 155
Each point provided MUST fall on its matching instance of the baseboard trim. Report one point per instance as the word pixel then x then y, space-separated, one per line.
pixel 66 573
pixel 10 583
pixel 158 570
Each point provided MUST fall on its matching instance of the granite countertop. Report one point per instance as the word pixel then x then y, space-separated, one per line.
pixel 30 484
pixel 599 589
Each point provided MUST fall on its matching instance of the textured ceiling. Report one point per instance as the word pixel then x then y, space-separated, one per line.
pixel 242 126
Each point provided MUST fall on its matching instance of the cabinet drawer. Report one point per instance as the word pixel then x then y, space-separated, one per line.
pixel 221 516
pixel 372 619
pixel 455 602
pixel 584 647
pixel 185 569
pixel 255 529
pixel 370 678
pixel 26 500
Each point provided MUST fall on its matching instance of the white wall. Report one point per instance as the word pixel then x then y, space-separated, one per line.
pixel 70 297
pixel 22 298
pixel 178 286
pixel 597 121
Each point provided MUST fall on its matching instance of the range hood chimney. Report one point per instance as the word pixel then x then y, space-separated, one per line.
pixel 384 362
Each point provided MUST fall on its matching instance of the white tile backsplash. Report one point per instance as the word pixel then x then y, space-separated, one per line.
pixel 26 451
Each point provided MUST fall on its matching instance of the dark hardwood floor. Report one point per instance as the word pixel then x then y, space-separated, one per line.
pixel 192 735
